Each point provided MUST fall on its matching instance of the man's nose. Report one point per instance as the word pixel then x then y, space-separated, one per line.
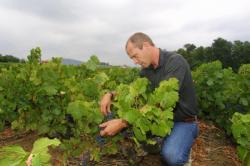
pixel 135 61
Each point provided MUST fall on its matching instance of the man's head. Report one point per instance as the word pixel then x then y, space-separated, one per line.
pixel 139 48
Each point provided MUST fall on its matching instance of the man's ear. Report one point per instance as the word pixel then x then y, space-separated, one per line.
pixel 146 44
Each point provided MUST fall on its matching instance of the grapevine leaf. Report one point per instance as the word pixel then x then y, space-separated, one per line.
pixel 241 152
pixel 40 149
pixel 143 124
pixel 36 160
pixel 210 82
pixel 167 115
pixel 131 116
pixel 138 134
pixel 13 155
pixel 77 109
pixel 244 101
pixel 246 160
pixel 138 87
pixel 93 63
pixel 50 90
pixel 101 78
pixel 160 129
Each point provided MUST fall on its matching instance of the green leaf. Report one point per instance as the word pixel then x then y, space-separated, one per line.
pixel 131 115
pixel 168 114
pixel 36 160
pixel 246 118
pixel 93 63
pixel 210 82
pixel 13 155
pixel 57 111
pixel 50 90
pixel 242 152
pixel 77 109
pixel 139 86
pixel 236 129
pixel 169 99
pixel 138 134
pixel 161 129
pixel 166 94
pixel 247 159
pixel 90 88
pixel 34 78
pixel 244 101
pixel 151 142
pixel 1 111
pixel 40 150
pixel 101 78
pixel 219 75
pixel 143 124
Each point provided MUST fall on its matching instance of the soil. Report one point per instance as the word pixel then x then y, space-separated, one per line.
pixel 212 148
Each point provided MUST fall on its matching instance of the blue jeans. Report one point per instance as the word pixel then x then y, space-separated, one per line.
pixel 176 147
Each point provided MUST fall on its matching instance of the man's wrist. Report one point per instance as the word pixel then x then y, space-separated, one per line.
pixel 124 123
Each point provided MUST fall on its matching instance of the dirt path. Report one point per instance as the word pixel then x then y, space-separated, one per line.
pixel 212 148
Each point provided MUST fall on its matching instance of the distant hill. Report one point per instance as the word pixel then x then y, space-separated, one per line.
pixel 68 61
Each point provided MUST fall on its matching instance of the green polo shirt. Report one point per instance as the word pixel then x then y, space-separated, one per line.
pixel 174 65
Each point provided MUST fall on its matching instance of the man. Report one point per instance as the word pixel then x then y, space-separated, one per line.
pixel 158 65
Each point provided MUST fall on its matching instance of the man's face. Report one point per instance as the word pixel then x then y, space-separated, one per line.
pixel 139 56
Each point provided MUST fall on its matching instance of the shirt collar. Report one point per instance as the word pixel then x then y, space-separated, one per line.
pixel 161 61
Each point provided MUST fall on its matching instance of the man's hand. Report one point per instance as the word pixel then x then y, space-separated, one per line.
pixel 112 127
pixel 105 104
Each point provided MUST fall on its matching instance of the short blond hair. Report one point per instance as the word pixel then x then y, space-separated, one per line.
pixel 138 39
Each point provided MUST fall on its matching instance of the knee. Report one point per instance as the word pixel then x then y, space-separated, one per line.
pixel 172 157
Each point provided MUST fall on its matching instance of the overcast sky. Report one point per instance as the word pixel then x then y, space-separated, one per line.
pixel 78 29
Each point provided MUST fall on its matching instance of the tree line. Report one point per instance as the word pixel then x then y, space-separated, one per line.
pixel 231 54
pixel 10 58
